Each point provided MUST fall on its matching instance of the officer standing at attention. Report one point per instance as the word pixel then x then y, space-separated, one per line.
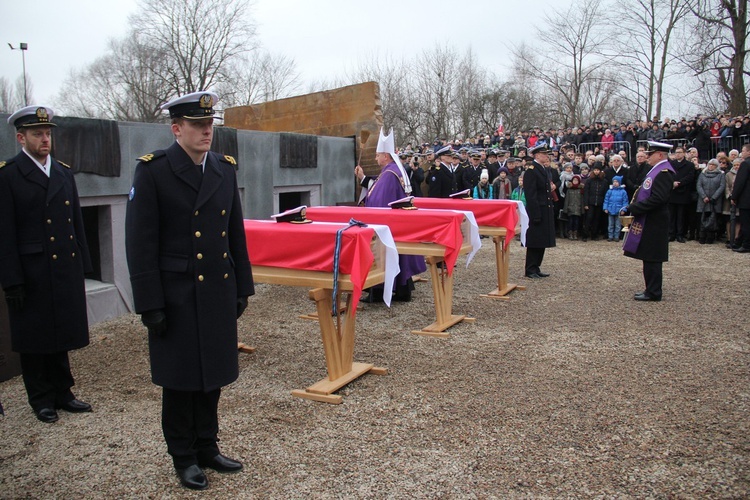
pixel 43 258
pixel 440 179
pixel 648 235
pixel 540 206
pixel 191 277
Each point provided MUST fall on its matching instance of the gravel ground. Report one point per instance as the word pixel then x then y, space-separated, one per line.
pixel 569 389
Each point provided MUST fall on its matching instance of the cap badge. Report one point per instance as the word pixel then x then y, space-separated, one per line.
pixel 41 114
pixel 205 101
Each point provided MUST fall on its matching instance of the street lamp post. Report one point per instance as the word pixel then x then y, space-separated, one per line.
pixel 23 47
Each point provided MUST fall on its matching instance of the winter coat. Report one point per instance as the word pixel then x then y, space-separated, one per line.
pixel 519 195
pixel 595 190
pixel 484 193
pixel 685 175
pixel 615 200
pixel 540 207
pixel 711 184
pixel 501 188
pixel 573 199
pixel 729 184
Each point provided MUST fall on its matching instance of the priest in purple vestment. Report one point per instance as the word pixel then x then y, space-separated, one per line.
pixel 392 184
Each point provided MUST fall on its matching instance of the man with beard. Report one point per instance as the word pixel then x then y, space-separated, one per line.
pixel 43 258
pixel 648 238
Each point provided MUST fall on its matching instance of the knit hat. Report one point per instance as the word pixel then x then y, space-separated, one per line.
pixel 617 179
pixel 484 174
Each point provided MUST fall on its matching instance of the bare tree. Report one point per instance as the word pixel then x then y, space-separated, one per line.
pixel 200 38
pixel 12 95
pixel 719 53
pixel 575 42
pixel 261 77
pixel 644 50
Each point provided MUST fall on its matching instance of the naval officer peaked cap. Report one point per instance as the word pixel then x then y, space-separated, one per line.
pixel 32 116
pixel 194 106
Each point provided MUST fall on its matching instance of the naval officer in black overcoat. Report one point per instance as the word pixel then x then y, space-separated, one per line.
pixel 191 277
pixel 43 258
pixel 537 186
pixel 648 236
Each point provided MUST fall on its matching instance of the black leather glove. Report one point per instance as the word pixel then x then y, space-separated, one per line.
pixel 241 305
pixel 536 222
pixel 15 296
pixel 155 321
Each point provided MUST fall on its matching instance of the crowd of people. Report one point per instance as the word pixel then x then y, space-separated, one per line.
pixel 593 185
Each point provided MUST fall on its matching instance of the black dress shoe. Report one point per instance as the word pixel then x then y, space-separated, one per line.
pixel 644 297
pixel 533 276
pixel 47 415
pixel 741 250
pixel 220 463
pixel 76 406
pixel 193 477
pixel 680 239
pixel 542 275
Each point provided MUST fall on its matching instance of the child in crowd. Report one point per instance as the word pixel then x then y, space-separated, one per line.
pixel 615 203
pixel 501 185
pixel 518 193
pixel 574 205
pixel 483 190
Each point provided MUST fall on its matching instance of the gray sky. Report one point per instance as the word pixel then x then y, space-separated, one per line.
pixel 325 37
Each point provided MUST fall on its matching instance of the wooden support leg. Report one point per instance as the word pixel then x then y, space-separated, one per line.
pixel 502 262
pixel 442 291
pixel 338 346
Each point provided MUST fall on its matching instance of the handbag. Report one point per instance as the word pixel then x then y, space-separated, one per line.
pixel 708 221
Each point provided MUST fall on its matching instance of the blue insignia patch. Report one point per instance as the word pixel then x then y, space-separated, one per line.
pixel 131 195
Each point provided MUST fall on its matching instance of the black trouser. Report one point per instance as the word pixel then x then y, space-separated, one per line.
pixel 677 213
pixel 47 379
pixel 593 220
pixel 534 258
pixel 190 422
pixel 744 220
pixel 652 274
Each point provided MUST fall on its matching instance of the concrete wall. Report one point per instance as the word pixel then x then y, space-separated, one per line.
pixel 259 177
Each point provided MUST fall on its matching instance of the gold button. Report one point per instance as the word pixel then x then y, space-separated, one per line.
pixel 49 221
pixel 73 254
pixel 223 233
pixel 52 238
pixel 199 256
pixel 223 212
pixel 54 257
pixel 67 203
pixel 71 237
pixel 196 213
pixel 197 234
pixel 225 255
pixel 200 277
pixel 226 276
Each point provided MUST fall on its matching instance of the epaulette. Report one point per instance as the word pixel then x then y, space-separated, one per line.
pixel 64 164
pixel 436 167
pixel 530 167
pixel 151 156
pixel 7 162
pixel 230 160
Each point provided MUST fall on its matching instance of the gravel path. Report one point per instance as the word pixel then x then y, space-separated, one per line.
pixel 569 389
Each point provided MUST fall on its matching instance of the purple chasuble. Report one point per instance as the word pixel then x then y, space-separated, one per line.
pixel 633 237
pixel 387 188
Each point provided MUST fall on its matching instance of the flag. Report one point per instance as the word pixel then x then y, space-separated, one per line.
pixel 500 128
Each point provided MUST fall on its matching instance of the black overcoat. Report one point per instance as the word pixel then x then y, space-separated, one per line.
pixel 539 206
pixel 741 188
pixel 440 182
pixel 685 175
pixel 43 247
pixel 186 252
pixel 654 246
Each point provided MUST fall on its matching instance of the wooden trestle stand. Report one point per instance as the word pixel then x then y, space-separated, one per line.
pixel 338 333
pixel 502 263
pixel 442 285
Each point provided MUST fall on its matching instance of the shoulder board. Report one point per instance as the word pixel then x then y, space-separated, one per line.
pixel 63 164
pixel 156 154
pixel 530 167
pixel 5 163
pixel 437 167
pixel 229 159
pixel 665 170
